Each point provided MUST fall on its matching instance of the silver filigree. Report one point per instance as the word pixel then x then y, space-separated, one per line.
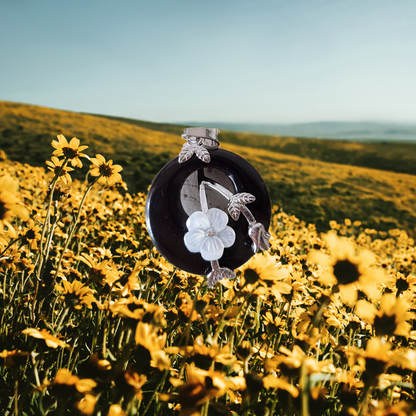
pixel 199 141
pixel 208 233
pixel 236 206
pixel 259 236
pixel 236 203
pixel 218 273
pixel 189 149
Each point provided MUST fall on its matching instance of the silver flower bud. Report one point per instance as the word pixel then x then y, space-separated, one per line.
pixel 259 236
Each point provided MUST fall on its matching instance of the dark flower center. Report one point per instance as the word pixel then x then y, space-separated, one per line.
pixel 72 299
pixel 346 272
pixel 133 306
pixel 30 235
pixel 385 324
pixel 70 153
pixel 97 275
pixel 57 169
pixel 3 209
pixel 251 276
pixel 106 170
pixel 402 285
pixel 374 367
pixel 202 361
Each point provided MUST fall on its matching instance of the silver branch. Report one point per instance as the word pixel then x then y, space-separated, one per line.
pixel 236 205
pixel 259 236
pixel 218 273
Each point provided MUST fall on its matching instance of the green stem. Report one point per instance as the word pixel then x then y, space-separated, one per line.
pixel 364 396
pixel 40 260
pixel 48 213
pixel 204 410
pixel 106 325
pixel 71 233
pixel 165 287
pixel 96 328
pixel 10 244
pixel 234 335
pixel 318 315
pixel 159 386
pixel 304 388
pixel 61 319
pixel 50 237
pixel 16 397
pixel 220 324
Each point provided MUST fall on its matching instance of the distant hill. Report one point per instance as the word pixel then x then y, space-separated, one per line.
pixel 394 156
pixel 329 130
pixel 308 187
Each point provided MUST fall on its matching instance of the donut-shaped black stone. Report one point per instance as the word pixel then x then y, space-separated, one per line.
pixel 166 218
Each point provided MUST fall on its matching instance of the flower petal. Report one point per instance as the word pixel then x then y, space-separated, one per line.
pixel 74 143
pixel 227 236
pixel 193 240
pixel 198 220
pixel 212 248
pixel 217 218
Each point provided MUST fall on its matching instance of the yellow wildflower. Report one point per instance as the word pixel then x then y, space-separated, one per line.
pixel 76 294
pixel 71 150
pixel 108 173
pixel 12 358
pixel 391 317
pixel 50 340
pixel 147 337
pixel 65 384
pixel 55 166
pixel 348 270
pixel 9 204
pixel 116 410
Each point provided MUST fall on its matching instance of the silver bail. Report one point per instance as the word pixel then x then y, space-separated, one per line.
pixel 202 136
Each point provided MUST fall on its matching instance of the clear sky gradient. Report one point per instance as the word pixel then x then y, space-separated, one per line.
pixel 260 61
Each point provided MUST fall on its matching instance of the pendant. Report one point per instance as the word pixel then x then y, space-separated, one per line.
pixel 208 210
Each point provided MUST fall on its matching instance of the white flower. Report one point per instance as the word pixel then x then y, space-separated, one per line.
pixel 209 234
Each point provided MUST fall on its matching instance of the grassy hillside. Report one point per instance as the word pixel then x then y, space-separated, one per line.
pixel 385 155
pixel 26 133
pixel 392 156
pixel 313 190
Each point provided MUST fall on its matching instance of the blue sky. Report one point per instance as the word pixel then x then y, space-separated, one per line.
pixel 258 61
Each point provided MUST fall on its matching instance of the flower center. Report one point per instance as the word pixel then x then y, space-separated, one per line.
pixel 402 285
pixel 385 324
pixel 346 272
pixel 210 232
pixel 105 170
pixel 30 235
pixel 69 152
pixel 3 210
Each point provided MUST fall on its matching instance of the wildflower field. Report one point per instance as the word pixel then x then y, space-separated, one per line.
pixel 95 322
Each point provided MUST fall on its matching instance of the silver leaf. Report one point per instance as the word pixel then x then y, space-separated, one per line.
pixel 236 202
pixel 234 209
pixel 218 274
pixel 244 198
pixel 202 154
pixel 186 153
pixel 259 236
pixel 188 150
